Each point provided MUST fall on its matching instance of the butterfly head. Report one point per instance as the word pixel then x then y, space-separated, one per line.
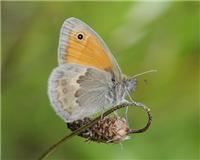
pixel 130 84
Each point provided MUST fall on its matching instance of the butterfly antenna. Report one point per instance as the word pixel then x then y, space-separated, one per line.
pixel 137 75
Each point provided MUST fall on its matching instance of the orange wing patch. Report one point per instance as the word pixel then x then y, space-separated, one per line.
pixel 85 49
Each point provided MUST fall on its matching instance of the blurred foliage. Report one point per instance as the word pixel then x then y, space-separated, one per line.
pixel 142 36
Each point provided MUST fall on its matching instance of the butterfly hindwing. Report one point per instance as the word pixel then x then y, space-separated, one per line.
pixel 77 91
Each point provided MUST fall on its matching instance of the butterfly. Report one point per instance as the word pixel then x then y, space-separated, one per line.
pixel 87 79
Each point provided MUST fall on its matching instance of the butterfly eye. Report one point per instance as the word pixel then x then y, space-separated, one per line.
pixel 80 36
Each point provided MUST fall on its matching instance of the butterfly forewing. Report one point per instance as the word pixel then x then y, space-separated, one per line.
pixel 79 44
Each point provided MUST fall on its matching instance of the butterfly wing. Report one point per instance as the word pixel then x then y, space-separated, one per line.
pixel 77 91
pixel 79 44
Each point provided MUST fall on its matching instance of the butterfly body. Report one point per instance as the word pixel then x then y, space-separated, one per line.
pixel 88 78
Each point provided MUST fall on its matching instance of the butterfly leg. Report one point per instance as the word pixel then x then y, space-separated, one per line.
pixel 116 113
pixel 138 104
pixel 126 115
pixel 126 109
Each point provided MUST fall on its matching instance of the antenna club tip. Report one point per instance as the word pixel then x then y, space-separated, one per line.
pixel 154 70
pixel 148 109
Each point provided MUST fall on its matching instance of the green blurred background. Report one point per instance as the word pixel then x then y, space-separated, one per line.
pixel 142 36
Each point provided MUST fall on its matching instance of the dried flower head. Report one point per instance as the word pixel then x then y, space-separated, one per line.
pixel 104 128
pixel 110 129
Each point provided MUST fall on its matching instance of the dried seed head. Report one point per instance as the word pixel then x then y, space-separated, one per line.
pixel 112 129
